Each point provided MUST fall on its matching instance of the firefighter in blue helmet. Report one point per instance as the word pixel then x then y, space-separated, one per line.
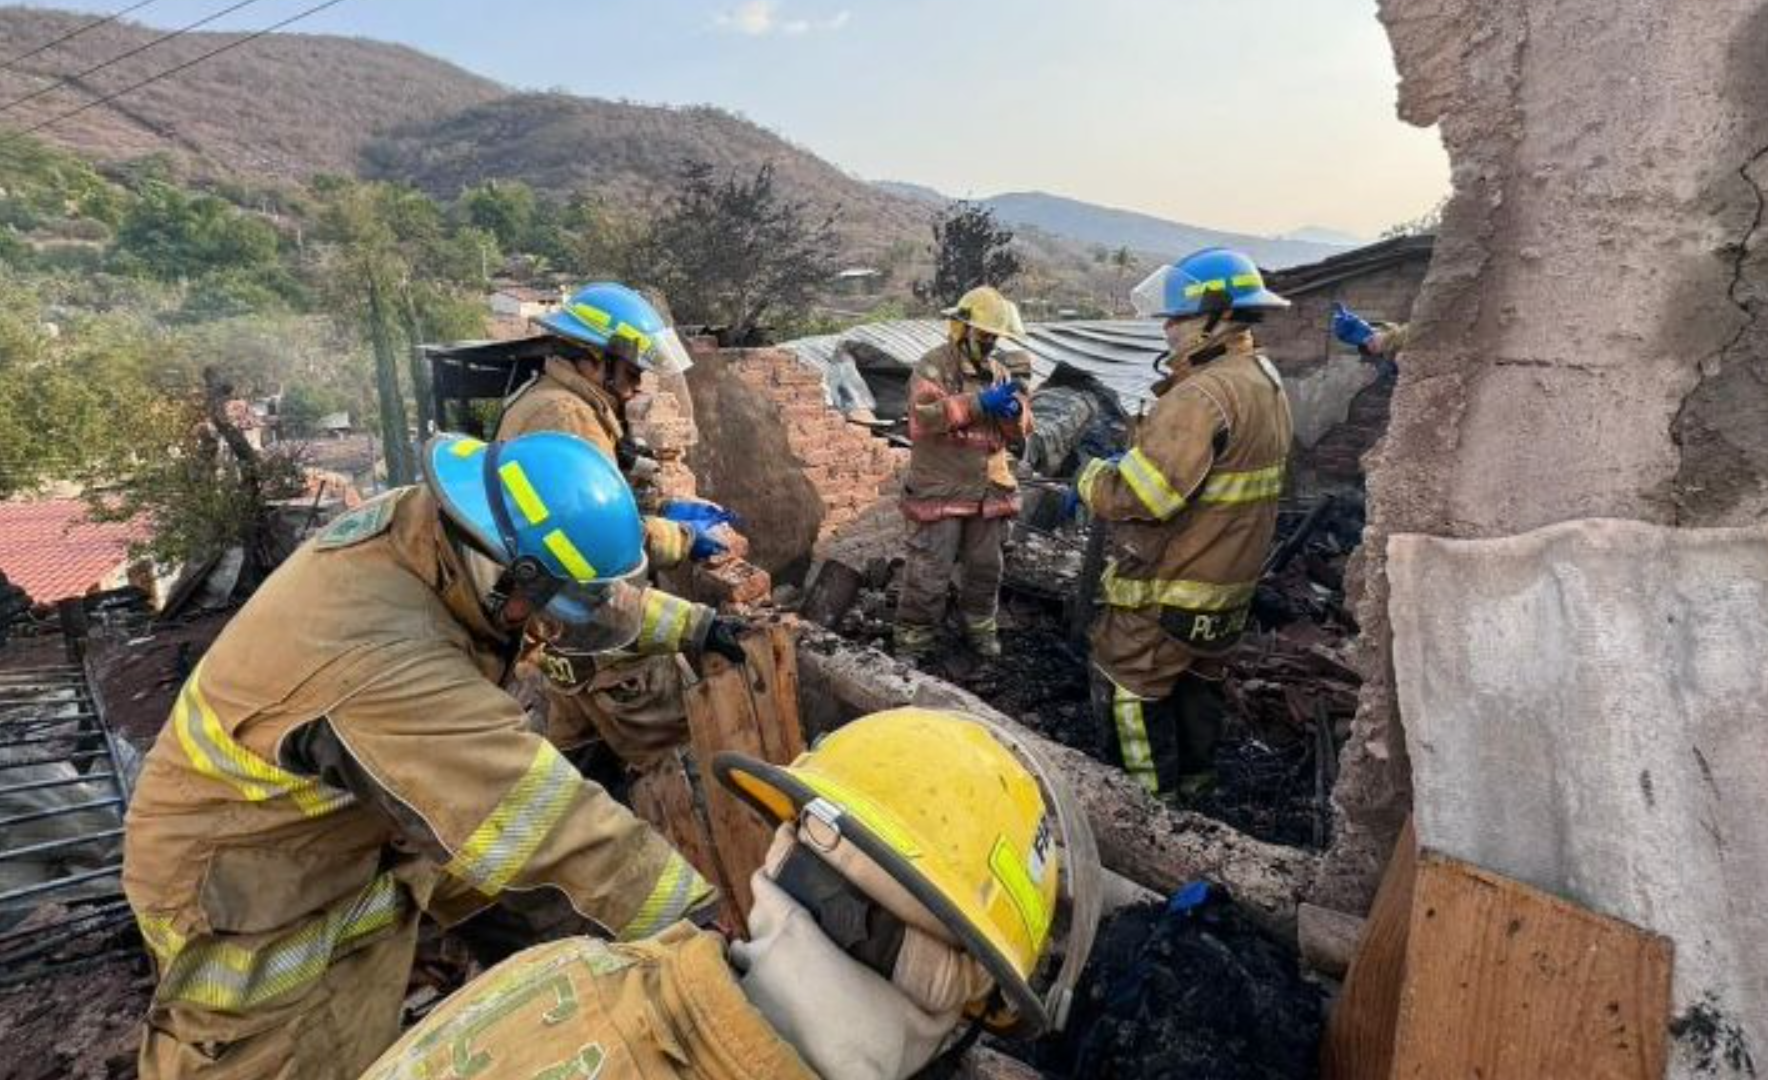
pixel 605 338
pixel 344 760
pixel 1192 507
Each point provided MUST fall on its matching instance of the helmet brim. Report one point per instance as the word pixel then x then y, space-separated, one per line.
pixel 454 469
pixel 779 793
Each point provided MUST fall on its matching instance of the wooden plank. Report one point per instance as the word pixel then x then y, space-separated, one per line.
pixel 721 716
pixel 1359 1041
pixel 772 672
pixel 1503 980
pixel 663 795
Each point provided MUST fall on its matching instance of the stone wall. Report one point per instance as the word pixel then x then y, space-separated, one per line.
pixel 1588 342
pixel 800 475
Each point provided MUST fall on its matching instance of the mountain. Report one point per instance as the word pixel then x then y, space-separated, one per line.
pixel 1156 239
pixel 290 106
pixel 1320 234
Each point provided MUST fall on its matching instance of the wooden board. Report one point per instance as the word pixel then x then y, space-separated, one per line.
pixel 750 709
pixel 1503 980
pixel 663 795
pixel 1359 1042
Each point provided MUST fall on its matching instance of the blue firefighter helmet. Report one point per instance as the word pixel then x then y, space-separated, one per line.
pixel 1203 283
pixel 549 508
pixel 616 321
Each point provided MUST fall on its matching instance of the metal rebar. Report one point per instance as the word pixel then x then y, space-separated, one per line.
pixel 57 845
pixel 114 902
pixel 41 785
pixel 38 740
pixel 45 939
pixel 82 755
pixel 97 960
pixel 59 883
pixel 59 811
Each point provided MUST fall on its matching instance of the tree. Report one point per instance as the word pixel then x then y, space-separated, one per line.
pixel 207 489
pixel 970 248
pixel 170 234
pixel 731 252
pixel 506 209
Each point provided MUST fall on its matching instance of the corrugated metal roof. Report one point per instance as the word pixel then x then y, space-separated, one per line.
pixel 1119 352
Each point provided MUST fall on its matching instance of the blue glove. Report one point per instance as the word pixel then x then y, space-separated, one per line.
pixel 700 518
pixel 1349 327
pixel 1000 401
pixel 1070 503
pixel 1190 898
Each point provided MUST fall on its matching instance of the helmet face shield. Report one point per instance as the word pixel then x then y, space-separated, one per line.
pixel 601 616
pixel 1149 298
pixel 668 355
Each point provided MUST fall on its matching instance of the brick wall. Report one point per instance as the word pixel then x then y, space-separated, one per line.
pixel 799 474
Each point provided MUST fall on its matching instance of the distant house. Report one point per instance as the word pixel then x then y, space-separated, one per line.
pixel 522 302
pixel 355 458
pixel 858 281
pixel 50 549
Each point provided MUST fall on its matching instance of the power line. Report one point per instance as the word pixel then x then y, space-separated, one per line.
pixel 6 65
pixel 136 51
pixel 255 35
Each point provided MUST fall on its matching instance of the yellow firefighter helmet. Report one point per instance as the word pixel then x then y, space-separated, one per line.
pixel 985 309
pixel 941 804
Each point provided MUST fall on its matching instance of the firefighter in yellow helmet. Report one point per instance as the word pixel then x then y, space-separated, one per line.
pixel 343 759
pixel 965 409
pixel 918 871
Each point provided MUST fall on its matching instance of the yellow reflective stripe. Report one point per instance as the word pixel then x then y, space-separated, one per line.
pixel 1236 488
pixel 594 316
pixel 1089 477
pixel 503 843
pixel 162 938
pixel 527 499
pixel 1010 871
pixel 1238 281
pixel 1189 595
pixel 636 336
pixel 215 754
pixel 569 557
pixel 664 621
pixel 1132 739
pixel 466 448
pixel 1150 486
pixel 224 975
pixel 670 544
pixel 679 889
pixel 869 813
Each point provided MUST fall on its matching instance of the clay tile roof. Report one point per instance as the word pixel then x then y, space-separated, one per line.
pixel 50 550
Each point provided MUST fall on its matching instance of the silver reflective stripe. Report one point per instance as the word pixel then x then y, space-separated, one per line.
pixel 222 975
pixel 1132 739
pixel 677 889
pixel 500 847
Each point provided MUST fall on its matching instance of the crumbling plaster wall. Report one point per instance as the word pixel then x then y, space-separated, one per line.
pixel 1587 344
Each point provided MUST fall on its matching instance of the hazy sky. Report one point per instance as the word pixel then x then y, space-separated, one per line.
pixel 1255 115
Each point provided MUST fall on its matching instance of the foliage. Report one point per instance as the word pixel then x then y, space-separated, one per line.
pixel 971 249
pixel 731 251
pixel 170 233
pixel 1423 225
pixel 302 407
pixel 208 490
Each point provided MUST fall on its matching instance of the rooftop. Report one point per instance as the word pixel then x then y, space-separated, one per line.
pixel 49 548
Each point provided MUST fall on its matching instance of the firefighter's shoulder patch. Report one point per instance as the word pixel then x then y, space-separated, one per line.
pixel 366 522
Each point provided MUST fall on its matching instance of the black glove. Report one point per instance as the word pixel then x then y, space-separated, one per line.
pixel 626 453
pixel 722 638
pixel 567 669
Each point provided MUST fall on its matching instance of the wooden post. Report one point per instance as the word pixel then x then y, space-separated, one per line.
pixel 74 627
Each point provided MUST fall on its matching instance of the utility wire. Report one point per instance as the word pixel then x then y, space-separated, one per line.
pixel 6 65
pixel 136 51
pixel 194 61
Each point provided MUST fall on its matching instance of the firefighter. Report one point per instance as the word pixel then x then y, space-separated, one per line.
pixel 1192 507
pixel 605 338
pixel 912 885
pixel 343 758
pixel 964 410
pixel 1381 343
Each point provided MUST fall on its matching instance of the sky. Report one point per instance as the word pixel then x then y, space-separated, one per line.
pixel 1259 116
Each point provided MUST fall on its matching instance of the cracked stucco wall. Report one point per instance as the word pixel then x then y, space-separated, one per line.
pixel 1587 343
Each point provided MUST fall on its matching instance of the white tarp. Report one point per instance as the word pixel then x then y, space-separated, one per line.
pixel 1586 708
